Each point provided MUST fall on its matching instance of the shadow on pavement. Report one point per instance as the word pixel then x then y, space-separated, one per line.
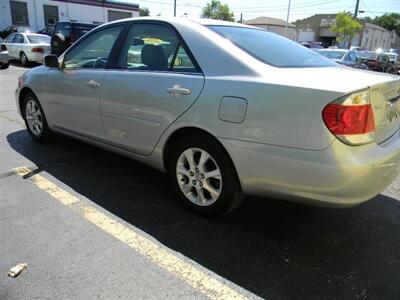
pixel 275 249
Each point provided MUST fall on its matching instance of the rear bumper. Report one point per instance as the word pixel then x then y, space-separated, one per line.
pixel 337 176
pixel 35 57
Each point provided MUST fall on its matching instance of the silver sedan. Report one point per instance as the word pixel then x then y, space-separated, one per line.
pixel 225 109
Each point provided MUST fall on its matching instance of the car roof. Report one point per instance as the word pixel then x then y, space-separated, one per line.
pixel 187 21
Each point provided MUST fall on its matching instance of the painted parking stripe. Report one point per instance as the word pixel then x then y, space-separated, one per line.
pixel 201 279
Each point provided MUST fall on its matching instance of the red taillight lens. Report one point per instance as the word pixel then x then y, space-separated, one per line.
pixel 37 50
pixel 348 120
pixel 351 118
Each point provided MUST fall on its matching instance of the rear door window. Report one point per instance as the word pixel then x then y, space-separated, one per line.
pixel 154 47
pixel 19 39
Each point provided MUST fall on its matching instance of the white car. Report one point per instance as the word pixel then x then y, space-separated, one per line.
pixel 27 47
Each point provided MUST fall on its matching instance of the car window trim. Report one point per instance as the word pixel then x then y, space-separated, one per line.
pixel 86 36
pixel 182 43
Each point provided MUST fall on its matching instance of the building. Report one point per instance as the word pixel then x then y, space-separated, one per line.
pixel 394 40
pixel 275 25
pixel 37 14
pixel 317 28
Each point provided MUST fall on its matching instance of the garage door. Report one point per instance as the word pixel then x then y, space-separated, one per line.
pixel 116 15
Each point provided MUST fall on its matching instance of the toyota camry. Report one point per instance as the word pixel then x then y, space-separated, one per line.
pixel 225 109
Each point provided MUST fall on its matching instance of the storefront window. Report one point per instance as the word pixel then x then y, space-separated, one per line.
pixel 19 13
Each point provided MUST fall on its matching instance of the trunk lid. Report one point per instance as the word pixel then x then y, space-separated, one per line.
pixel 385 101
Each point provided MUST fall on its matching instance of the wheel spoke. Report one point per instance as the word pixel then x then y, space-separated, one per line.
pixel 189 157
pixel 186 188
pixel 200 195
pixel 213 174
pixel 203 159
pixel 180 169
pixel 212 190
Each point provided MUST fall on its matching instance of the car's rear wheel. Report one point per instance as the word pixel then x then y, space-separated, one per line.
pixel 203 176
pixel 35 119
pixel 23 59
pixel 4 65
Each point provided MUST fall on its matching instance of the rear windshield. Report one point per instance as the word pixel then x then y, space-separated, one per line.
pixel 79 29
pixel 38 39
pixel 272 48
pixel 332 54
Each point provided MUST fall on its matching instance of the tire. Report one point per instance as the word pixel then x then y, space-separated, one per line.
pixel 23 59
pixel 226 193
pixel 4 66
pixel 35 120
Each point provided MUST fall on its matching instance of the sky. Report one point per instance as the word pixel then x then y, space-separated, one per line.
pixel 271 8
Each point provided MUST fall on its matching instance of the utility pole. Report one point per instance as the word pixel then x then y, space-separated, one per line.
pixel 356 11
pixel 287 17
pixel 241 17
pixel 174 8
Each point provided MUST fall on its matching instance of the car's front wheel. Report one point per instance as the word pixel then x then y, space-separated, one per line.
pixel 204 176
pixel 35 119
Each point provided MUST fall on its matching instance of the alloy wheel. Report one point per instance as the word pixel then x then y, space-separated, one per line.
pixel 34 117
pixel 199 176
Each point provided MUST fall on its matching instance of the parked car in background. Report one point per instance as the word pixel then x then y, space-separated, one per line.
pixel 395 60
pixel 47 31
pixel 312 45
pixel 344 57
pixel 11 29
pixel 377 61
pixel 4 58
pixel 218 107
pixel 67 33
pixel 27 47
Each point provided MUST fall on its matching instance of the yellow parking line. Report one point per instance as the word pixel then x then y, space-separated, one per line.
pixel 159 254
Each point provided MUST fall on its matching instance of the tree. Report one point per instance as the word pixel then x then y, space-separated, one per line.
pixel 144 11
pixel 216 10
pixel 389 21
pixel 346 27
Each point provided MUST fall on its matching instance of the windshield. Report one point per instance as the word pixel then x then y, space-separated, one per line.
pixel 272 48
pixel 39 39
pixel 332 54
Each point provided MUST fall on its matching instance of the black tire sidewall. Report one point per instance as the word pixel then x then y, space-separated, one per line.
pixel 22 61
pixel 44 135
pixel 231 193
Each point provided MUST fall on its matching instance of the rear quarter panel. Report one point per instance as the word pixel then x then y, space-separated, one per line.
pixel 276 114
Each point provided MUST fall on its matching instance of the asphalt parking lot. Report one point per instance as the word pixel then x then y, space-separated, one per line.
pixel 266 248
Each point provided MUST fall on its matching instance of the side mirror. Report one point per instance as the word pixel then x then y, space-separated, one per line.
pixel 51 61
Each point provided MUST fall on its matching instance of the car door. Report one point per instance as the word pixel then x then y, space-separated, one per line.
pixel 155 80
pixel 18 45
pixel 72 93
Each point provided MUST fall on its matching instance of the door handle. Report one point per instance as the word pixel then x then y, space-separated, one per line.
pixel 93 84
pixel 177 90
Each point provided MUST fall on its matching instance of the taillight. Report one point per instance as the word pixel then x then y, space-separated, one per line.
pixel 351 118
pixel 37 50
